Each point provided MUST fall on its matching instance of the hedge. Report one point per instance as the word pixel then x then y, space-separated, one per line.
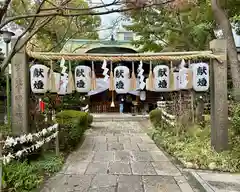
pixel 72 125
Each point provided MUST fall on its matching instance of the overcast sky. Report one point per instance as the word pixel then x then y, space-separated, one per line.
pixel 108 20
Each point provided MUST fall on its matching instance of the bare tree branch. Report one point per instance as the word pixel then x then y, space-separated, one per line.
pixel 4 9
pixel 82 11
pixel 14 50
pixel 64 35
pixel 115 2
pixel 17 47
pixel 33 29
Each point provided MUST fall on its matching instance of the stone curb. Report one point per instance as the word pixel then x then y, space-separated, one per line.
pixel 115 119
pixel 204 184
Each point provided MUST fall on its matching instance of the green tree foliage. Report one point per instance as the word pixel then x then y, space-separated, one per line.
pixel 232 7
pixel 188 28
pixel 54 35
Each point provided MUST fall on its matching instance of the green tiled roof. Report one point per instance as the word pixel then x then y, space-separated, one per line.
pixel 72 44
pixel 105 42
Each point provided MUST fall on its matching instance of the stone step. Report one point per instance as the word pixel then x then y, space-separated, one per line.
pixel 118 117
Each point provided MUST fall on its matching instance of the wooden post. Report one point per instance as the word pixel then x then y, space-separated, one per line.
pixel 1 162
pixel 219 97
pixel 20 92
pixel 200 109
pixel 57 142
pixel 180 104
pixel 192 106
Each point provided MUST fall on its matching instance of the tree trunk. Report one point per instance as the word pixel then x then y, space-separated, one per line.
pixel 224 23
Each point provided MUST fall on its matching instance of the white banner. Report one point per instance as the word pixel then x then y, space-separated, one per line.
pixel 103 85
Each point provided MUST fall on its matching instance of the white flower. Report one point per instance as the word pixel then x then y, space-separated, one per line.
pixel 19 153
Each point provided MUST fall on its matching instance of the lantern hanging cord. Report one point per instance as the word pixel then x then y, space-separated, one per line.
pixel 173 56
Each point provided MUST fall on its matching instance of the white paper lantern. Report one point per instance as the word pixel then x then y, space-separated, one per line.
pixel 83 78
pixel 200 76
pixel 185 78
pixel 63 84
pixel 57 77
pixel 161 78
pixel 142 95
pixel 176 81
pixel 39 78
pixel 121 79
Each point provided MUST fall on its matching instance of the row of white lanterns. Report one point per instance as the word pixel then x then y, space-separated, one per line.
pixel 196 77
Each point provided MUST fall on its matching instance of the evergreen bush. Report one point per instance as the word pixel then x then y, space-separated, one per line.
pixel 236 119
pixel 90 119
pixel 156 117
pixel 72 125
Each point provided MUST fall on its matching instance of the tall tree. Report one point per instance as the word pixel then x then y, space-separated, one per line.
pixel 166 28
pixel 223 11
pixel 194 28
pixel 40 12
pixel 54 34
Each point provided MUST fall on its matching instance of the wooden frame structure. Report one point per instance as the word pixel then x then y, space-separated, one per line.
pixel 217 56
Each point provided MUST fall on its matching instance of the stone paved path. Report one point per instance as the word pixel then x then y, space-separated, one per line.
pixel 118 157
pixel 218 182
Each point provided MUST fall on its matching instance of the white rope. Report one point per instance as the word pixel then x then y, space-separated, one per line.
pixel 172 117
pixel 18 154
pixel 10 141
pixel 172 123
pixel 85 109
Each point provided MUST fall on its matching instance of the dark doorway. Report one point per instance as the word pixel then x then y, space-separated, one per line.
pixel 105 97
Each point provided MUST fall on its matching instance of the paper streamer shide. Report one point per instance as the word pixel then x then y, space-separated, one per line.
pixel 142 84
pixel 10 141
pixel 62 65
pixel 105 70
